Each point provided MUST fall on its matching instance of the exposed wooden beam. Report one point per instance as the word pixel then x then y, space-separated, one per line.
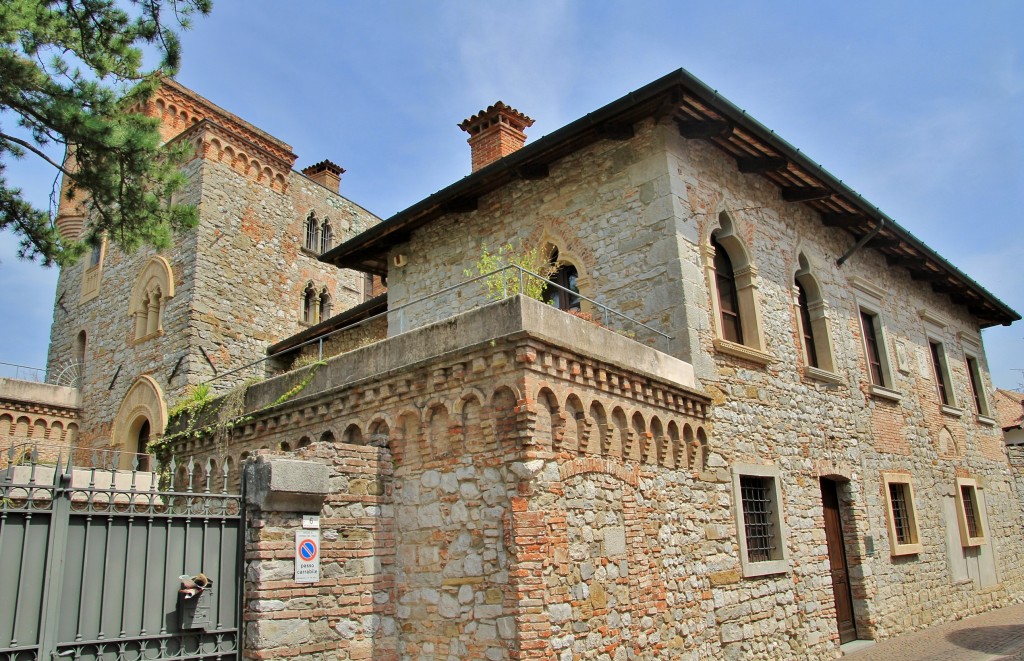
pixel 927 276
pixel 941 287
pixel 711 128
pixel 615 131
pixel 884 242
pixel 759 164
pixel 533 171
pixel 902 260
pixel 843 219
pixel 461 205
pixel 800 194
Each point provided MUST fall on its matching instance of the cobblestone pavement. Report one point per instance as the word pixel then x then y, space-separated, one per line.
pixel 995 635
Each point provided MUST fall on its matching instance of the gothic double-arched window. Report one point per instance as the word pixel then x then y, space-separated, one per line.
pixel 153 288
pixel 316 304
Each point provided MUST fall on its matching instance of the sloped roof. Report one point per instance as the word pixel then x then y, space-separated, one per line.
pixel 1009 408
pixel 700 113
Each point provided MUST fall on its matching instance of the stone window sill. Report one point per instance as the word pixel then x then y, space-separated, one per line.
pixel 951 411
pixel 907 549
pixel 882 392
pixel 147 337
pixel 765 568
pixel 742 351
pixel 825 376
pixel 310 253
pixel 985 420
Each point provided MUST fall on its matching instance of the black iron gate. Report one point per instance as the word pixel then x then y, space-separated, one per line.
pixel 91 561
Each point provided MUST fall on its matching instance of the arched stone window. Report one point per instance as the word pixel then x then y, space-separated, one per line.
pixel 564 296
pixel 812 321
pixel 81 342
pixel 326 236
pixel 732 280
pixel 153 288
pixel 309 304
pixel 312 231
pixel 728 301
pixel 325 305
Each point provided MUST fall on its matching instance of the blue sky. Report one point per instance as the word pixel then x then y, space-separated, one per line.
pixel 916 105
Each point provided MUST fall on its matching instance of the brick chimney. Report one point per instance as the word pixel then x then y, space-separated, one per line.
pixel 495 133
pixel 327 174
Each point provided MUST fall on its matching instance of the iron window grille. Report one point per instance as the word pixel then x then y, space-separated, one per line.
pixel 758 517
pixel 899 500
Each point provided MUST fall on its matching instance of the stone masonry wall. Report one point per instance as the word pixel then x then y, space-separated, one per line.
pixel 634 217
pixel 239 280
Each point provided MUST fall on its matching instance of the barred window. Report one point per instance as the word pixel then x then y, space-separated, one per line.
pixel 900 513
pixel 757 517
pixel 759 520
pixel 970 506
pixel 904 535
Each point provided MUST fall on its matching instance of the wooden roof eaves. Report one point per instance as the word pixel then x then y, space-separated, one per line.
pixel 698 101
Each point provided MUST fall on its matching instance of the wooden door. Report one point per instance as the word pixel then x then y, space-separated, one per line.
pixel 837 559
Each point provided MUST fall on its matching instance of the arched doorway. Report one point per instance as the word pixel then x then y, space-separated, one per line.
pixel 142 417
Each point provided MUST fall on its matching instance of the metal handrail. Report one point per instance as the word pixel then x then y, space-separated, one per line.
pixel 399 312
pixel 18 368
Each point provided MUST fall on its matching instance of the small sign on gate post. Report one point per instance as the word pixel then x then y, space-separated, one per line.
pixel 307 556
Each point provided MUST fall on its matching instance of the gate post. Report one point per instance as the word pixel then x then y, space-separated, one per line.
pixel 278 493
pixel 55 554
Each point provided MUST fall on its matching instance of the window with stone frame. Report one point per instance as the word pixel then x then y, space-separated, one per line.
pixel 310 301
pixel 325 305
pixel 970 513
pixel 153 288
pixel 312 230
pixel 732 283
pixel 759 521
pixel 326 236
pixel 940 372
pixel 978 393
pixel 901 514
pixel 564 293
pixel 869 299
pixel 813 325
pixel 728 300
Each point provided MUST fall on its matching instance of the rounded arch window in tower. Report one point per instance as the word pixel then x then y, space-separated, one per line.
pixel 564 292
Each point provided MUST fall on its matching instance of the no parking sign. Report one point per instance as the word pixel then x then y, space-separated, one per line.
pixel 307 556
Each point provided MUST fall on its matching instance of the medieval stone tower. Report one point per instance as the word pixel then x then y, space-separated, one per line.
pixel 135 330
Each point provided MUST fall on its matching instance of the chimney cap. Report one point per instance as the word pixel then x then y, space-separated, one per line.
pixel 492 115
pixel 324 165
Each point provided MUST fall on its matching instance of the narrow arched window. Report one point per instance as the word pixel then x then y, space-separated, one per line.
pixel 728 301
pixel 326 236
pixel 806 328
pixel 309 304
pixel 312 230
pixel 564 292
pixel 325 304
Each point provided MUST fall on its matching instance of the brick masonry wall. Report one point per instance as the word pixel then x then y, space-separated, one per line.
pixel 447 497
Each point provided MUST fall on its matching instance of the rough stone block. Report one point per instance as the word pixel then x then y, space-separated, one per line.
pixel 286 485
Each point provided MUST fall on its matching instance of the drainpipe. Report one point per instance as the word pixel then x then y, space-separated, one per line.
pixel 863 240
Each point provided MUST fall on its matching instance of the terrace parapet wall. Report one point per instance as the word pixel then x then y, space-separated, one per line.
pixel 445 448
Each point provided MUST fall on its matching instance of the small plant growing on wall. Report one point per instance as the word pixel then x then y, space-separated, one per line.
pixel 507 282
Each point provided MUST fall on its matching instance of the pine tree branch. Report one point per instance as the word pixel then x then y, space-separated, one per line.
pixel 29 146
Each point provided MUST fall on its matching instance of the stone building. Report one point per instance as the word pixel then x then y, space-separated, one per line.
pixel 755 422
pixel 138 329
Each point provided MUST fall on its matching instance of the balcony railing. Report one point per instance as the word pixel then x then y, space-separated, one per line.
pixel 467 295
pixel 22 372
